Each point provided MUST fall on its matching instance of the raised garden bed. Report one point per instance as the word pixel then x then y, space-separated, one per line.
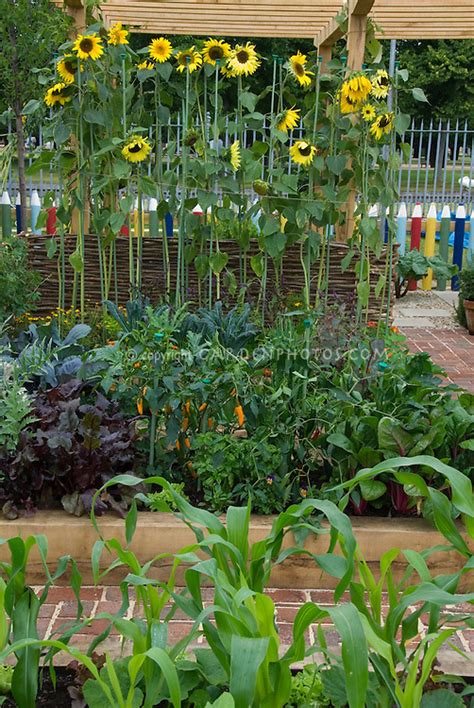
pixel 164 533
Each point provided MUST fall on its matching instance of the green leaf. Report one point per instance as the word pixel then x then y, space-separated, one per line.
pixel 419 95
pixel 468 444
pixel 165 70
pixel 218 261
pixel 372 490
pixel 95 116
pixel 201 264
pixel 131 522
pixel 256 263
pixel 441 698
pixel 355 656
pixel 336 164
pixel 75 259
pixel 24 626
pixel 162 659
pixel 51 247
pixel 30 108
pixel 363 292
pixel 392 437
pixel 246 656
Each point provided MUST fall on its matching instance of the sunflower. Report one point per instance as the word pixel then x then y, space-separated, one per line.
pixel 348 105
pixel 228 72
pixel 380 84
pixel 243 59
pixel 117 35
pixel 235 158
pixel 298 69
pixel 189 59
pixel 289 119
pixel 88 46
pixel 160 50
pixel 136 149
pixel 368 112
pixel 357 87
pixel 146 65
pixel 215 50
pixel 382 125
pixel 67 67
pixel 302 153
pixel 57 94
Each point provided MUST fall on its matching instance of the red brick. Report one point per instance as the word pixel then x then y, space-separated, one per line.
pixel 57 593
pixel 287 596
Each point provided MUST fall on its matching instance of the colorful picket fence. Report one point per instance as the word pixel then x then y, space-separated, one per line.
pixel 421 229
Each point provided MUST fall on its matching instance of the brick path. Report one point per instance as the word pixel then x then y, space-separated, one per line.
pixel 61 609
pixel 451 349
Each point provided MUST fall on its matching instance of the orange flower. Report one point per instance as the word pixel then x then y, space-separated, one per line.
pixel 202 407
pixel 210 423
pixel 185 425
pixel 267 373
pixel 239 412
pixel 187 407
pixel 395 329
pixel 187 442
pixel 371 324
pixel 137 365
pixel 178 445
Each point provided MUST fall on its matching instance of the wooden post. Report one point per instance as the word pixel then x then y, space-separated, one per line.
pixel 325 52
pixel 77 10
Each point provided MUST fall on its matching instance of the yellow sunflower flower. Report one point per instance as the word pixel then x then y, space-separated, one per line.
pixel 357 87
pixel 88 46
pixel 228 72
pixel 215 50
pixel 146 65
pixel 289 119
pixel 160 49
pixel 118 35
pixel 243 59
pixel 380 84
pixel 136 149
pixel 189 59
pixel 235 157
pixel 382 125
pixel 348 105
pixel 302 153
pixel 57 94
pixel 297 66
pixel 67 67
pixel 368 112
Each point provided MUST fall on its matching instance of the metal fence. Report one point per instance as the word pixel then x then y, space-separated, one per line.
pixel 436 162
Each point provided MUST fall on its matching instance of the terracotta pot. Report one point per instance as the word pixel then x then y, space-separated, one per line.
pixel 469 308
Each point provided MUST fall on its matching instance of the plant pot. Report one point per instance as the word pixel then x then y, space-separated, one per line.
pixel 469 308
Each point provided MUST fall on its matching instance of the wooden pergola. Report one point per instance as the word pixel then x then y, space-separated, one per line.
pixel 398 19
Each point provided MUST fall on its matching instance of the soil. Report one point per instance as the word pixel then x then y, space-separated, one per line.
pixel 48 695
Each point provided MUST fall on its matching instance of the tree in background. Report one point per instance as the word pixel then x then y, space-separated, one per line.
pixel 30 32
pixel 443 69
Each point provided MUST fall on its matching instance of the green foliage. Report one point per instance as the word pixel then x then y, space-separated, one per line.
pixel 16 406
pixel 442 69
pixel 18 282
pixel 307 689
pixel 231 470
pixel 163 501
pixel 413 265
pixel 466 282
pixel 23 52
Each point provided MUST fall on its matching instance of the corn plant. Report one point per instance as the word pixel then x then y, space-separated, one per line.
pixel 19 610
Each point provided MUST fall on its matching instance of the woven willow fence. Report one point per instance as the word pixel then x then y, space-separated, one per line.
pixel 342 284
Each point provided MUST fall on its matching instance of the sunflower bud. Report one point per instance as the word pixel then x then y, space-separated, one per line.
pixel 261 187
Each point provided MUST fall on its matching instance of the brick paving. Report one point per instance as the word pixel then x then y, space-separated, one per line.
pixel 60 610
pixel 453 350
